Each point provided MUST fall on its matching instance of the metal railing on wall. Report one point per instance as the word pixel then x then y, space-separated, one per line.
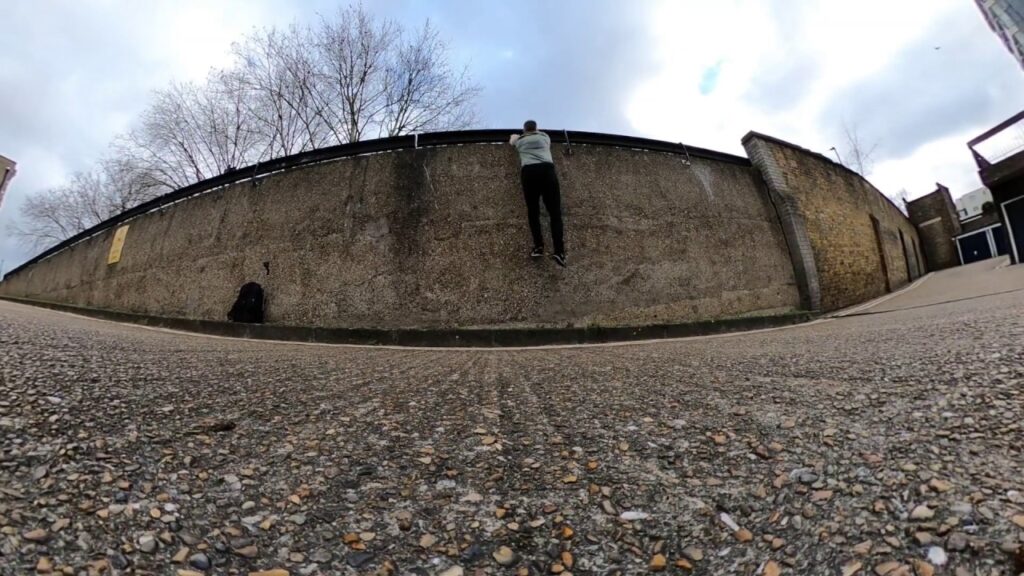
pixel 411 141
pixel 1000 142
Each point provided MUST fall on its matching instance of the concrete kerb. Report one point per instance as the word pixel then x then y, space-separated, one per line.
pixel 379 339
pixel 495 339
pixel 859 308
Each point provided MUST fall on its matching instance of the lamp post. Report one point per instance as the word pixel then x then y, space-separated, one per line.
pixel 836 152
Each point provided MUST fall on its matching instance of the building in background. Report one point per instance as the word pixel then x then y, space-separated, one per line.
pixel 1006 19
pixel 999 154
pixel 972 204
pixel 982 235
pixel 6 174
pixel 961 232
pixel 934 215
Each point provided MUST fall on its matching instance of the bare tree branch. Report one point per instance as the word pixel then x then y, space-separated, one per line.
pixel 858 153
pixel 350 77
pixel 87 199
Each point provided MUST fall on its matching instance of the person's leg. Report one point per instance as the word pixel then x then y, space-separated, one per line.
pixel 532 193
pixel 553 203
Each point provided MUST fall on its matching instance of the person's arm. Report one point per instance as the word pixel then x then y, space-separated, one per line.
pixel 513 139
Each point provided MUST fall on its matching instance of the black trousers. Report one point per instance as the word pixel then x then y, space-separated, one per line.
pixel 540 182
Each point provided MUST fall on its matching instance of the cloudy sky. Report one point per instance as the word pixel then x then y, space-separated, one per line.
pixel 917 77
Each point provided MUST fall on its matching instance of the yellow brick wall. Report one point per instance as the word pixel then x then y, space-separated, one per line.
pixel 836 205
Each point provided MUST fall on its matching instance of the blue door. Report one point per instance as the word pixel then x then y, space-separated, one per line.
pixel 974 247
pixel 1015 217
pixel 999 236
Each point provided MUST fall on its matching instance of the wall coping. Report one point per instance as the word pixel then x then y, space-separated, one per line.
pixel 392 144
pixel 437 338
pixel 753 134
pixel 791 218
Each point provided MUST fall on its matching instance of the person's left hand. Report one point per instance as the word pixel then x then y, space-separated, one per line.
pixel 513 138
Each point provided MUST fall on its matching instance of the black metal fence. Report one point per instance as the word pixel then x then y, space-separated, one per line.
pixel 432 139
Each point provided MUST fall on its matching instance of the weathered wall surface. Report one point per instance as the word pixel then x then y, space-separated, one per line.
pixel 936 220
pixel 828 212
pixel 437 237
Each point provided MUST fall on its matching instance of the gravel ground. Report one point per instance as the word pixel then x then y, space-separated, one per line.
pixel 887 443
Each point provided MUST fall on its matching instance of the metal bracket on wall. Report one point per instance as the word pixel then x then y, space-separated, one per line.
pixel 568 143
pixel 687 153
pixel 256 181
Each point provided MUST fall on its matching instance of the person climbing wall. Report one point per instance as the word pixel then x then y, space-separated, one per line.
pixel 540 182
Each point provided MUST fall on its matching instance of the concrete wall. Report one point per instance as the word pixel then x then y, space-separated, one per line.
pixel 937 223
pixel 437 237
pixel 827 212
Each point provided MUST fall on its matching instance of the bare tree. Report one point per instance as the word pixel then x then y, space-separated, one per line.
pixel 354 77
pixel 350 77
pixel 277 73
pixel 50 216
pixel 422 92
pixel 192 132
pixel 900 200
pixel 87 199
pixel 858 153
pixel 126 184
pixel 352 53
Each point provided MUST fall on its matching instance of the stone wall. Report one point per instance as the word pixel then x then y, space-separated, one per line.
pixel 437 238
pixel 848 242
pixel 937 222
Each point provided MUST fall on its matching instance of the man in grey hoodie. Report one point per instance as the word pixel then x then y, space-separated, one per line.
pixel 540 182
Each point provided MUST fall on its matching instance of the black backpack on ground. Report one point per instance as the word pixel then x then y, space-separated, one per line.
pixel 248 307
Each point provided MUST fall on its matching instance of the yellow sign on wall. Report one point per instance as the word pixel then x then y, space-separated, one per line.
pixel 116 246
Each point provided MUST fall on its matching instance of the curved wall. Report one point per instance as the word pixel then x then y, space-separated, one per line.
pixel 437 238
pixel 851 243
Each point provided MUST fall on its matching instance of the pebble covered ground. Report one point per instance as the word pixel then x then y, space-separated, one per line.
pixel 882 444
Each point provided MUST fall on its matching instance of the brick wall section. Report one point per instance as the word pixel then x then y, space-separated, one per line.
pixel 793 225
pixel 936 220
pixel 826 210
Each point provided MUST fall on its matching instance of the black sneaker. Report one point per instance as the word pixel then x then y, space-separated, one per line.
pixel 537 252
pixel 559 259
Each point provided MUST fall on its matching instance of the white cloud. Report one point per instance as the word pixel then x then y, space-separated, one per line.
pixel 785 64
pixel 692 38
pixel 946 160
